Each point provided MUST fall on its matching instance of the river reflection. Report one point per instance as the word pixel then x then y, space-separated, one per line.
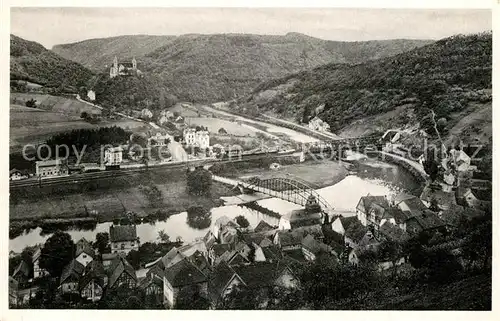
pixel 374 178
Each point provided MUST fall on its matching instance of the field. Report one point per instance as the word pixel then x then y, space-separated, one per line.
pixel 214 124
pixel 55 104
pixel 53 115
pixel 31 125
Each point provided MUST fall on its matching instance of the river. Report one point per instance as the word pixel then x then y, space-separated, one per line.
pixel 373 177
pixel 270 128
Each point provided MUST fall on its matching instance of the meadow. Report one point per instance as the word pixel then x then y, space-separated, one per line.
pixel 214 124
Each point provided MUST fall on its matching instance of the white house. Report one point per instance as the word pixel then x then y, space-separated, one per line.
pixel 159 139
pixel 146 114
pixel 37 271
pixel 84 253
pixel 113 156
pixel 461 160
pixel 91 95
pixel 317 124
pixel 123 238
pixel 199 138
pixel 53 167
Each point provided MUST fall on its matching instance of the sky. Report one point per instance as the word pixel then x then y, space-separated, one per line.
pixel 50 26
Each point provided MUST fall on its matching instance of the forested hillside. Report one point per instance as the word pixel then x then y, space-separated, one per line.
pixel 132 92
pixel 451 77
pixel 209 68
pixel 96 54
pixel 31 61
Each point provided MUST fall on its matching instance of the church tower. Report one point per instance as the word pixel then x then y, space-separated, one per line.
pixel 134 63
pixel 115 63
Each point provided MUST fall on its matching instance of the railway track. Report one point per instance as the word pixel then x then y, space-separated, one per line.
pixel 86 177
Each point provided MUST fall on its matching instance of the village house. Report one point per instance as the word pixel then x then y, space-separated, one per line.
pixel 342 223
pixel 70 277
pixel 391 232
pixel 366 207
pixel 152 284
pixel 121 273
pixel 177 254
pixel 123 238
pixel 442 198
pixel 409 203
pixel 260 276
pixel 292 239
pixel 146 114
pixel 13 292
pixel 311 248
pixel 113 156
pixel 179 122
pixel 223 282
pixel 22 273
pixel 223 227
pixel 354 234
pixel 310 215
pixel 159 139
pixel 53 167
pixel 15 175
pixel 84 252
pixel 233 257
pixel 37 270
pixel 183 275
pixel 427 221
pixel 317 124
pixel 107 258
pixel 93 281
pixel 263 226
pixel 217 251
pixel 468 197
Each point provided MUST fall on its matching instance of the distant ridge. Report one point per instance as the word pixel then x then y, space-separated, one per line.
pixel 209 68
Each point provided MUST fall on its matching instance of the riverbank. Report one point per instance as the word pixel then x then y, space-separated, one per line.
pixel 111 198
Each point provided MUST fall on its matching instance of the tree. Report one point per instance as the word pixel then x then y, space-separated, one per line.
pixel 431 164
pixel 189 298
pixel 242 221
pixel 198 217
pixel 241 298
pixel 222 131
pixel 199 182
pixel 441 124
pixel 84 115
pixel 391 251
pixel 163 236
pixel 31 103
pixel 477 247
pixel 101 242
pixel 57 252
pixel 134 258
pixel 434 206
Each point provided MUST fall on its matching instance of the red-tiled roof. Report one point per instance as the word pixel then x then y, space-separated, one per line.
pixel 393 232
pixel 73 269
pixel 121 233
pixel 83 246
pixel 119 266
pixel 184 273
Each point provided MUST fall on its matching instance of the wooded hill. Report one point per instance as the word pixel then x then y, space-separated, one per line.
pixel 210 68
pixel 31 61
pixel 449 76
